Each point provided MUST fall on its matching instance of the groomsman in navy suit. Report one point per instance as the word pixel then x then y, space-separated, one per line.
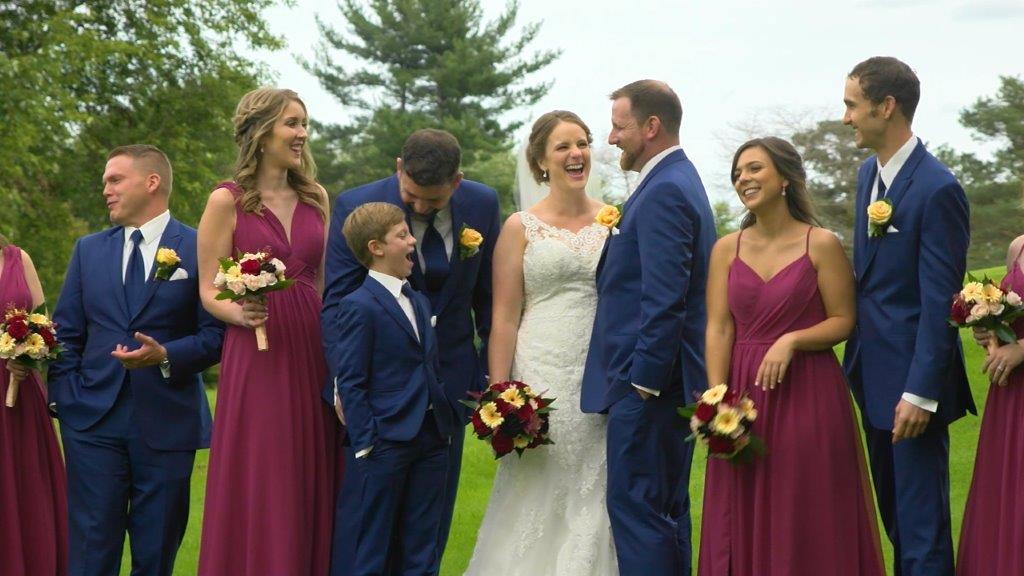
pixel 399 422
pixel 904 363
pixel 128 390
pixel 449 267
pixel 647 349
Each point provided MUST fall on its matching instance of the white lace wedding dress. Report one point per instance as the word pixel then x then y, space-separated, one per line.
pixel 547 515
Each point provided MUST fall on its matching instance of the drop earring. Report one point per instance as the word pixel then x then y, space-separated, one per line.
pixel 544 175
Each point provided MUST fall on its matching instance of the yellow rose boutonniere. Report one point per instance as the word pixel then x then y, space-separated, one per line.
pixel 609 216
pixel 167 262
pixel 879 215
pixel 469 242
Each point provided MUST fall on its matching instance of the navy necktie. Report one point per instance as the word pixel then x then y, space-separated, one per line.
pixel 881 188
pixel 135 276
pixel 435 259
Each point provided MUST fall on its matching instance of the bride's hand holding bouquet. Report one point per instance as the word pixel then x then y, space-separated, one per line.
pixel 248 278
pixel 28 341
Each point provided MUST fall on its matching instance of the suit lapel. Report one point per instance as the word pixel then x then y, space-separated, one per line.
pixel 900 184
pixel 390 304
pixel 171 238
pixel 115 245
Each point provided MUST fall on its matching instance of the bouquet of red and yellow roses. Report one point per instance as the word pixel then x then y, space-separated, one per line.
pixel 510 416
pixel 251 275
pixel 983 304
pixel 721 420
pixel 29 338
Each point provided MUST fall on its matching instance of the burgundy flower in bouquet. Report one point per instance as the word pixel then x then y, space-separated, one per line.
pixel 251 275
pixel 983 304
pixel 29 338
pixel 510 416
pixel 721 419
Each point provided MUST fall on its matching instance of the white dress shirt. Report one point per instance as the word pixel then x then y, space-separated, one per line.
pixel 643 174
pixel 887 173
pixel 151 233
pixel 443 225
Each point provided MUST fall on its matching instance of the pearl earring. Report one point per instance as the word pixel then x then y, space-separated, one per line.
pixel 544 176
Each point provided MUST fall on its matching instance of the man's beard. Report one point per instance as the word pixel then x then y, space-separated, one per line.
pixel 627 159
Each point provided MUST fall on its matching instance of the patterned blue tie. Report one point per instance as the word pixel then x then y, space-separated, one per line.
pixel 135 276
pixel 435 259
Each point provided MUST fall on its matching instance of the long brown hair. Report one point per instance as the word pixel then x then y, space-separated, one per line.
pixel 791 167
pixel 254 119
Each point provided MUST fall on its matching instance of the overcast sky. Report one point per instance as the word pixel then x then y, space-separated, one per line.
pixel 732 62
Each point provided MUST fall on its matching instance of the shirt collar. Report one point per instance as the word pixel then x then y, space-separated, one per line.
pixel 441 213
pixel 654 161
pixel 391 283
pixel 888 172
pixel 151 231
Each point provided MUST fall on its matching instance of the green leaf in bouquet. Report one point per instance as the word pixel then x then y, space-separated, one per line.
pixel 279 285
pixel 472 404
pixel 1005 333
pixel 226 295
pixel 687 411
pixel 225 264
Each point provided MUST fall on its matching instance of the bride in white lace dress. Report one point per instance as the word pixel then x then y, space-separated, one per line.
pixel 547 514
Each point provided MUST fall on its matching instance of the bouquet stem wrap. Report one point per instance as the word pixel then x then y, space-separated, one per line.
pixel 261 338
pixel 12 393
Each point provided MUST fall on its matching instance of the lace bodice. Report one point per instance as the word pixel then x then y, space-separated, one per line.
pixel 547 514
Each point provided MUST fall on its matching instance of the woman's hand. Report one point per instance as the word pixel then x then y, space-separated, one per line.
pixel 776 361
pixel 1001 361
pixel 18 370
pixel 254 311
pixel 982 336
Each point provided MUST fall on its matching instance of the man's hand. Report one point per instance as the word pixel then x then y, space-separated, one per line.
pixel 337 408
pixel 645 395
pixel 150 353
pixel 910 422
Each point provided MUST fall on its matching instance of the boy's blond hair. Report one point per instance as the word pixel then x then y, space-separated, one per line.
pixel 371 221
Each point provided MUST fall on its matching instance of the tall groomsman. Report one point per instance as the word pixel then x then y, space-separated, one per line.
pixel 905 364
pixel 128 389
pixel 647 350
pixel 455 223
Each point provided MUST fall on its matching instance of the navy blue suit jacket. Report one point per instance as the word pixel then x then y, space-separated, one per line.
pixel 905 284
pixel 386 376
pixel 651 315
pixel 92 319
pixel 465 300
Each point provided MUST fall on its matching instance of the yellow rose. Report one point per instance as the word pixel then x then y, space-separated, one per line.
pixel 608 216
pixel 726 422
pixel 167 257
pixel 714 395
pixel 879 212
pixel 512 397
pixel 470 238
pixel 490 415
pixel 973 292
pixel 992 293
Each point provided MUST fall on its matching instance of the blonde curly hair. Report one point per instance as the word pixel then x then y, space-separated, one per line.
pixel 254 120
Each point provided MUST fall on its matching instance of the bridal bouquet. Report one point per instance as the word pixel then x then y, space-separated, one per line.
pixel 983 304
pixel 721 420
pixel 510 416
pixel 31 339
pixel 251 275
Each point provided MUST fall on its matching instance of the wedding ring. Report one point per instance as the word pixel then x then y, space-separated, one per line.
pixel 1001 367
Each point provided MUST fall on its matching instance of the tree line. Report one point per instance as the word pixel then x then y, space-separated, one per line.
pixel 80 78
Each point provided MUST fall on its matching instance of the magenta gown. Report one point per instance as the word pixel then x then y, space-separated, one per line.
pixel 992 534
pixel 270 491
pixel 33 488
pixel 804 507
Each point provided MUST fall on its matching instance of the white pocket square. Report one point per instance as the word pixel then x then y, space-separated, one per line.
pixel 179 274
pixel 891 230
pixel 433 321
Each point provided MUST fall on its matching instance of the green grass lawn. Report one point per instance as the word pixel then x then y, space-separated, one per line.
pixel 478 471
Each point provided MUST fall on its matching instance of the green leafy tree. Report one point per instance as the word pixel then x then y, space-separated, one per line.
pixel 419 64
pixel 81 78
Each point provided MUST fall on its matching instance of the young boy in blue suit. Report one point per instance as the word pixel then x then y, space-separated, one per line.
pixel 399 421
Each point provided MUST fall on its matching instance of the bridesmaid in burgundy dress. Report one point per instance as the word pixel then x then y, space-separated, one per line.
pixel 270 489
pixel 992 535
pixel 33 501
pixel 780 296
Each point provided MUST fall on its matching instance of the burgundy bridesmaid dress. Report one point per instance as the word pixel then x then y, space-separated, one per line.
pixel 33 488
pixel 992 534
pixel 270 490
pixel 804 507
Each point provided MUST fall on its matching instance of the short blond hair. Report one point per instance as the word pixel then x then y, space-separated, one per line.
pixel 151 160
pixel 371 221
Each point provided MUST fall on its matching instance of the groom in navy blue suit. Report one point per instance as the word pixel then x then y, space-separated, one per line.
pixel 904 363
pixel 647 349
pixel 455 276
pixel 127 389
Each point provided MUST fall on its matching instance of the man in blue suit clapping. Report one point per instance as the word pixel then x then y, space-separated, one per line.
pixel 128 390
pixel 904 363
pixel 647 350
